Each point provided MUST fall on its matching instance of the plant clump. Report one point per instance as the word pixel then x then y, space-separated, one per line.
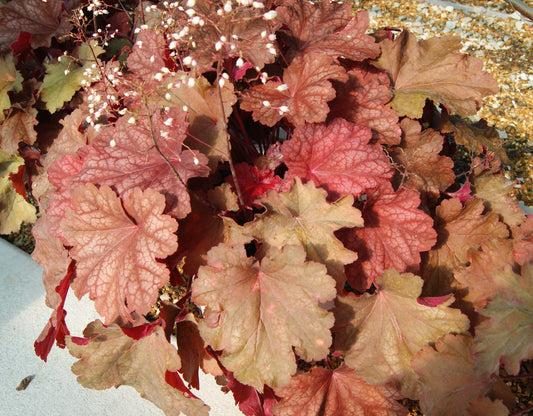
pixel 268 192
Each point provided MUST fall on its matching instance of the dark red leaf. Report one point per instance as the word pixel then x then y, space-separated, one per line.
pixel 56 328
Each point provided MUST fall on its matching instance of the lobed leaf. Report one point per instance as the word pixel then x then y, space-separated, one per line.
pixel 433 69
pixel 303 95
pixel 337 156
pixel 449 381
pixel 395 233
pixel 395 325
pixel 303 217
pixel 64 77
pixel 328 28
pixel 115 248
pixel 110 358
pixel 507 337
pixel 246 311
pixel 335 392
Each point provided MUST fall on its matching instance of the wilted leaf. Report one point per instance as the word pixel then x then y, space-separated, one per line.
pixel 458 229
pixel 336 156
pixel 207 112
pixel 484 406
pixel 418 153
pixel 395 233
pixel 337 392
pixel 507 336
pixel 115 248
pixel 483 262
pixel 43 19
pixel 328 28
pixel 495 190
pixel 64 77
pixel 449 382
pixel 303 217
pixel 10 80
pixel 110 358
pixel 476 137
pixel 18 127
pixel 303 95
pixel 434 69
pixel 395 325
pixel 14 209
pixel 362 100
pixel 246 315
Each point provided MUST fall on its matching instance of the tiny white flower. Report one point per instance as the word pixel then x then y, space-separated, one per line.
pixel 196 161
pixel 131 120
pixel 228 7
pixel 239 63
pixel 282 87
pixel 266 103
pixel 283 109
pixel 270 15
pixel 168 121
pixel 168 96
pixel 112 143
pixel 218 45
pixel 258 5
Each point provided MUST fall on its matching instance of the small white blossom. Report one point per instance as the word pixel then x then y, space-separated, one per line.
pixel 266 103
pixel 131 120
pixel 228 7
pixel 270 15
pixel 239 63
pixel 112 143
pixel 168 121
pixel 282 87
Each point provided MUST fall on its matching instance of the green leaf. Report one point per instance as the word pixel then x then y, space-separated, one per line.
pixel 64 77
pixel 10 80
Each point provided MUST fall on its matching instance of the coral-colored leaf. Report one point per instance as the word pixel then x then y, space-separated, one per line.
pixel 362 100
pixel 303 95
pixel 110 358
pixel 126 158
pixel 335 392
pixel 243 33
pixel 337 156
pixel 434 69
pixel 302 216
pixel 458 229
pixel 449 382
pixel 328 28
pixel 52 256
pixel 523 241
pixel 246 315
pixel 395 233
pixel 395 325
pixel 147 55
pixel 115 248
pixel 418 153
pixel 507 335
pixel 43 20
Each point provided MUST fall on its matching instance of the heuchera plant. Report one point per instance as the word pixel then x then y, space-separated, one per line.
pixel 269 193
